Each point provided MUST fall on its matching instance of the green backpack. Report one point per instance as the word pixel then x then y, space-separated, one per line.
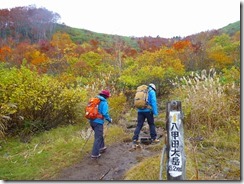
pixel 141 97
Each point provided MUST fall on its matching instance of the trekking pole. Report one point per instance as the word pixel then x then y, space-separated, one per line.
pixel 86 141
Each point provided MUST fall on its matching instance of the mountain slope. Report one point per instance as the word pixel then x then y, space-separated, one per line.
pixel 105 40
pixel 108 41
pixel 231 28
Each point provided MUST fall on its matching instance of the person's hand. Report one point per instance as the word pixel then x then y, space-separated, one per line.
pixel 110 121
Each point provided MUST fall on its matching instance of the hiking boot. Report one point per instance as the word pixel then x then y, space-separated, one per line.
pixel 136 141
pixel 102 150
pixel 96 156
pixel 155 141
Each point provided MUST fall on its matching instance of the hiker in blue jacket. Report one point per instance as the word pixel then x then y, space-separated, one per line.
pixel 97 124
pixel 147 113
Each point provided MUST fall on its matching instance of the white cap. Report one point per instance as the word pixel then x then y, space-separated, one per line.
pixel 153 86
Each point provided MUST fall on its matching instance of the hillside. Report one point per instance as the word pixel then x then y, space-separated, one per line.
pixel 80 36
pixel 83 35
pixel 231 28
pixel 107 40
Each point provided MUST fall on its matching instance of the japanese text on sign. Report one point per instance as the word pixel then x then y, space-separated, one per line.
pixel 175 144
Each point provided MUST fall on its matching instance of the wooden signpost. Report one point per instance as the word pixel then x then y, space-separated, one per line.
pixel 176 159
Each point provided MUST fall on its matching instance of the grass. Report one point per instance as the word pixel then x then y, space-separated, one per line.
pixel 214 156
pixel 147 169
pixel 48 153
pixel 217 157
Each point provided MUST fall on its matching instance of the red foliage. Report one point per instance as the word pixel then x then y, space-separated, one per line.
pixel 150 43
pixel 94 43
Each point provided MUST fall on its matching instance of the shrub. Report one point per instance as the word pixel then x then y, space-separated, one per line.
pixel 117 106
pixel 34 103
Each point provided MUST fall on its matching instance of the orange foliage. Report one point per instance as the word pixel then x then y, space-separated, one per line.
pixel 169 51
pixel 62 44
pixel 5 51
pixel 39 60
pixel 180 45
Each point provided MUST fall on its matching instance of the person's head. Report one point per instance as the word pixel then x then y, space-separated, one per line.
pixel 105 93
pixel 153 86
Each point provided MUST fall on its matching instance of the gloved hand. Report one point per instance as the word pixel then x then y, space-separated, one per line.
pixel 110 121
pixel 155 115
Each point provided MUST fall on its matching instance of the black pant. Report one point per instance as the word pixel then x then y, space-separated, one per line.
pixel 141 116
pixel 98 138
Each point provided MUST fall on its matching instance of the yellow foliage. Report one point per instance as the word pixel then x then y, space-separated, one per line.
pixel 221 59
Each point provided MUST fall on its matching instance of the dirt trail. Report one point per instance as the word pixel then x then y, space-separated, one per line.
pixel 112 165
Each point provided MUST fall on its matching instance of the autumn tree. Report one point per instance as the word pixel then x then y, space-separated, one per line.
pixel 221 51
pixel 157 67
pixel 62 47
pixel 27 23
pixel 150 43
pixel 198 59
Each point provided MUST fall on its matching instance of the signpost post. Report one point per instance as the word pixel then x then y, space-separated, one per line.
pixel 175 142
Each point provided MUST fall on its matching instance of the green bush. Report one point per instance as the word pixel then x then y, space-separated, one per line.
pixel 32 103
pixel 117 105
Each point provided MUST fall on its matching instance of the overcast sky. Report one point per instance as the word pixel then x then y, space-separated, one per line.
pixel 164 18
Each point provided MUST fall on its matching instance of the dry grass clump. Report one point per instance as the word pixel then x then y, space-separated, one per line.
pixel 211 107
pixel 206 103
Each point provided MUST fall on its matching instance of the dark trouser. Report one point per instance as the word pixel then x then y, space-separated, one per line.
pixel 141 116
pixel 98 138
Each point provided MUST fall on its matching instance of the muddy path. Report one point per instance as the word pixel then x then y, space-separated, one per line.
pixel 112 165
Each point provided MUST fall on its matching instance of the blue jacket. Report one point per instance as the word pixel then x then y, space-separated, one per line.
pixel 102 109
pixel 152 101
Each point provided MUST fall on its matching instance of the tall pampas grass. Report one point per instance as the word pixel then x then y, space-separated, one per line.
pixel 207 103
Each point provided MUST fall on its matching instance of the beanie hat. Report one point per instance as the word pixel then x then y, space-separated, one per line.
pixel 105 92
